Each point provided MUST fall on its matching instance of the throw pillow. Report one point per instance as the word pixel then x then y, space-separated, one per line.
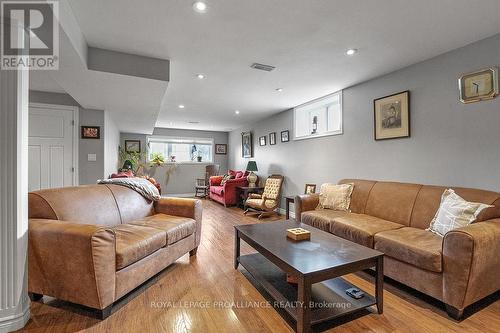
pixel 454 212
pixel 336 197
pixel 225 179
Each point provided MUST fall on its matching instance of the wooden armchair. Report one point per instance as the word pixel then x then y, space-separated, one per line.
pixel 265 204
pixel 202 184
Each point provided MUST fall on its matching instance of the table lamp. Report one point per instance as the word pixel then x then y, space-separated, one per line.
pixel 252 177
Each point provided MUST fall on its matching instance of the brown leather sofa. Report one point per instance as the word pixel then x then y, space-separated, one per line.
pixel 91 245
pixel 459 269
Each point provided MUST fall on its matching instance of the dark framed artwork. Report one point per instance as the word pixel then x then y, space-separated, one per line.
pixel 310 188
pixel 91 132
pixel 220 149
pixel 263 140
pixel 392 116
pixel 285 136
pixel 246 145
pixel 133 146
pixel 272 138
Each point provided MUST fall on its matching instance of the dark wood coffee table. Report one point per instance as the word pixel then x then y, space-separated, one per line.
pixel 317 265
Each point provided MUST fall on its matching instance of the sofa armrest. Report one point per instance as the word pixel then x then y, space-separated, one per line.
pixel 184 207
pixel 215 180
pixel 304 203
pixel 72 261
pixel 471 263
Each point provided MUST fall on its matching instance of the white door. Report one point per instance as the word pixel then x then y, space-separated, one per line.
pixel 51 147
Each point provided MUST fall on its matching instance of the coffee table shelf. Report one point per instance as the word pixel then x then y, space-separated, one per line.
pixel 317 264
pixel 329 295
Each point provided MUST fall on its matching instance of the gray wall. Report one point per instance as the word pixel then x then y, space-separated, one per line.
pixel 451 143
pixel 183 178
pixel 89 172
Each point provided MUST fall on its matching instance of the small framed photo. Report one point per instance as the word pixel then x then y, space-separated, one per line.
pixel 272 138
pixel 392 116
pixel 310 188
pixel 478 86
pixel 263 140
pixel 91 132
pixel 220 149
pixel 285 136
pixel 133 146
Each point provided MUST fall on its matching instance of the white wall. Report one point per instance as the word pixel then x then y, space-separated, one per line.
pixel 183 178
pixel 451 143
pixel 111 144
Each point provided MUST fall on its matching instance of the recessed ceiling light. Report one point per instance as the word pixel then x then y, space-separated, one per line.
pixel 200 76
pixel 279 89
pixel 237 111
pixel 181 106
pixel 351 52
pixel 200 6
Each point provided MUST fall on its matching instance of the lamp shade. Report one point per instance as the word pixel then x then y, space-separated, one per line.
pixel 252 166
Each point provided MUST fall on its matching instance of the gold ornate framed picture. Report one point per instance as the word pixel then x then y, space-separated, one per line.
pixel 392 116
pixel 479 86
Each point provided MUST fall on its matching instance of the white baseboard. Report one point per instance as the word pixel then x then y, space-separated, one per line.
pixel 17 321
pixel 180 195
pixel 282 211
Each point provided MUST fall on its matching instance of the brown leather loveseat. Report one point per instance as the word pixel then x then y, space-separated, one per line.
pixel 91 245
pixel 458 269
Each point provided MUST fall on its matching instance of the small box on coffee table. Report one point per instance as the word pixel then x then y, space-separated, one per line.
pixel 298 234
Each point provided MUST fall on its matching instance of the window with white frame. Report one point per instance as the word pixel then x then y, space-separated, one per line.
pixel 181 149
pixel 320 117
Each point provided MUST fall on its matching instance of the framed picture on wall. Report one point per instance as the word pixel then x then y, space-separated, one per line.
pixel 272 138
pixel 133 146
pixel 263 140
pixel 220 149
pixel 392 116
pixel 91 132
pixel 246 145
pixel 310 188
pixel 285 136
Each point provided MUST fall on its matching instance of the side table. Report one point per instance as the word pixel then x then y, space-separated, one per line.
pixel 288 200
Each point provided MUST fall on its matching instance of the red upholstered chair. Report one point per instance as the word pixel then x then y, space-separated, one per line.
pixel 226 194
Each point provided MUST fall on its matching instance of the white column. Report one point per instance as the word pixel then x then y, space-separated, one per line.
pixel 14 302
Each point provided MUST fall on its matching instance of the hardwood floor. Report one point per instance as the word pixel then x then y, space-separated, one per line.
pixel 209 280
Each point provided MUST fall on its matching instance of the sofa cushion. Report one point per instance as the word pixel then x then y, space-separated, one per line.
pixel 258 203
pixel 392 201
pixel 134 242
pixel 321 218
pixel 176 227
pixel 219 190
pixel 360 228
pixel 414 246
pixel 336 197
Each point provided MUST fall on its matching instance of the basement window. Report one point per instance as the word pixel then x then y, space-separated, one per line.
pixel 320 117
pixel 181 150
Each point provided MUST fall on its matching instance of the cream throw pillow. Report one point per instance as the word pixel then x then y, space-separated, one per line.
pixel 336 197
pixel 454 212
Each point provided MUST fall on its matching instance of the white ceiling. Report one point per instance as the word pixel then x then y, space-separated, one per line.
pixel 304 39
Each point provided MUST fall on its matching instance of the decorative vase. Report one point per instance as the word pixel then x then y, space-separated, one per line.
pixel 252 179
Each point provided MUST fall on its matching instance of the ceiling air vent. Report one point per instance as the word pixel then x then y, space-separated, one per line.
pixel 262 67
pixel 193 122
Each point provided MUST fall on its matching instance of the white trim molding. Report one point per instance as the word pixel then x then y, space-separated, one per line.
pixel 14 302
